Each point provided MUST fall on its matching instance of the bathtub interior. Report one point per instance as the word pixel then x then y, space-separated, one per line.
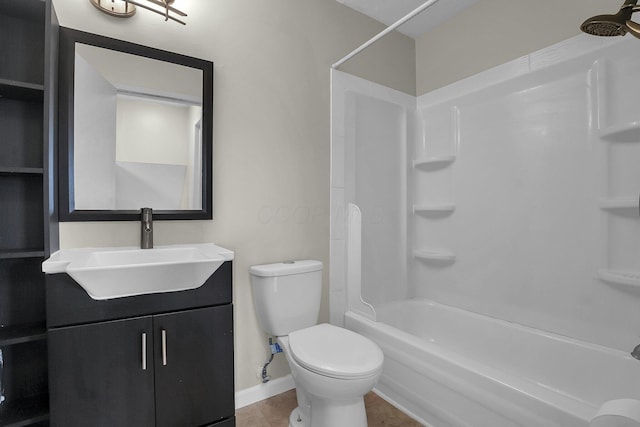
pixel 511 195
pixel 556 363
pixel 442 387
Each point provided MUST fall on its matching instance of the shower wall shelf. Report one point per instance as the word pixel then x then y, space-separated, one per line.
pixel 625 132
pixel 628 278
pixel 434 162
pixel 620 205
pixel 434 208
pixel 434 255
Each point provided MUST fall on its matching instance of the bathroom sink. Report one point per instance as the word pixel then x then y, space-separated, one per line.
pixel 106 273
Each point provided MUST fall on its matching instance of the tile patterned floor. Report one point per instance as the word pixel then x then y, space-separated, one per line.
pixel 274 412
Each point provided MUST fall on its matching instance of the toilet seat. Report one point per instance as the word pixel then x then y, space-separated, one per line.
pixel 335 352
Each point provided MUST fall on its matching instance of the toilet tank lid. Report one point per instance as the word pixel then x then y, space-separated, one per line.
pixel 285 268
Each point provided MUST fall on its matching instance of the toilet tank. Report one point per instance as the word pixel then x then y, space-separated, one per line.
pixel 286 295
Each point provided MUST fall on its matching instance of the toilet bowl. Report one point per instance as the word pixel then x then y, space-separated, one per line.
pixel 332 367
pixel 336 368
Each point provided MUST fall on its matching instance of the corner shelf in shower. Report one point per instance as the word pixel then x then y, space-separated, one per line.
pixel 444 208
pixel 628 278
pixel 619 205
pixel 435 162
pixel 434 255
pixel 625 132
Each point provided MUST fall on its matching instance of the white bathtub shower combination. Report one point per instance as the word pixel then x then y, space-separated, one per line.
pixel 495 254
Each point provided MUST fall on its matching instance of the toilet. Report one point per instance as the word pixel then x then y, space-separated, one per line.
pixel 332 367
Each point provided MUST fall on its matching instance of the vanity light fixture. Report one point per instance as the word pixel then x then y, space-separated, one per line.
pixel 127 8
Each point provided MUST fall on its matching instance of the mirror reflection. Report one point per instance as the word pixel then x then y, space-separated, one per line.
pixel 137 132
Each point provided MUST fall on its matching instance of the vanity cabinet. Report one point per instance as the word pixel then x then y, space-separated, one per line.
pixel 193 366
pixel 100 375
pixel 28 30
pixel 151 360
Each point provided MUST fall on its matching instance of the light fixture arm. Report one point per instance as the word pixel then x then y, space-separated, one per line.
pixel 128 11
pixel 166 6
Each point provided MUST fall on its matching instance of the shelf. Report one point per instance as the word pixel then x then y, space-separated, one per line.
pixel 434 255
pixel 628 278
pixel 13 89
pixel 626 132
pixel 22 334
pixel 436 208
pixel 21 253
pixel 9 170
pixel 434 162
pixel 24 412
pixel 632 205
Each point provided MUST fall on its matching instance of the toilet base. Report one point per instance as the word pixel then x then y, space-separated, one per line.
pixel 353 415
pixel 295 420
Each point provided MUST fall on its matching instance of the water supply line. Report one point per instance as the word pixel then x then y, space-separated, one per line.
pixel 275 348
pixel 386 31
pixel 265 376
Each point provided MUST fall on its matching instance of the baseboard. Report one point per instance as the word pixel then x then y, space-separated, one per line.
pixel 263 391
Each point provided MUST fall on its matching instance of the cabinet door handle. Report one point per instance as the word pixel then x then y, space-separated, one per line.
pixel 164 347
pixel 144 351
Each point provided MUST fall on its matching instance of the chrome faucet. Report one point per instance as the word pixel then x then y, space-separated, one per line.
pixel 636 352
pixel 146 219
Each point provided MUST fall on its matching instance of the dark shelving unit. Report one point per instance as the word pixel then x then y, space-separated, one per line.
pixel 28 412
pixel 28 228
pixel 12 89
pixel 16 170
pixel 21 253
pixel 22 334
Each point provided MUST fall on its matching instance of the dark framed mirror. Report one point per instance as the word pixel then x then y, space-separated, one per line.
pixel 136 130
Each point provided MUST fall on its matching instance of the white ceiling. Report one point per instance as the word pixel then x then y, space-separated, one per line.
pixel 389 11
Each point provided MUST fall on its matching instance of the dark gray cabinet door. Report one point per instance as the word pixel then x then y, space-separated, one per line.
pixel 98 377
pixel 194 366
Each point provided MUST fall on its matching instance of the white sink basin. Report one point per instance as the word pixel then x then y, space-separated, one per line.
pixel 107 273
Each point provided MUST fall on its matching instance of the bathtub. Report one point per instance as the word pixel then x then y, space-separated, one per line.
pixel 452 368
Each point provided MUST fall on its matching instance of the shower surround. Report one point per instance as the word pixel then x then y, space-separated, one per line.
pixel 508 200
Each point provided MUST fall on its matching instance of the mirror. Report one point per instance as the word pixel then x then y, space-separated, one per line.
pixel 135 131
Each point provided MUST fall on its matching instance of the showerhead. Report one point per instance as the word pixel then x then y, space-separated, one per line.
pixel 605 26
pixel 612 25
pixel 636 352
